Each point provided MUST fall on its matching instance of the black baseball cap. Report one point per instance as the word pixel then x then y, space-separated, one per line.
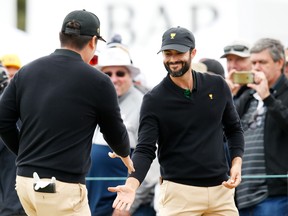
pixel 89 24
pixel 178 38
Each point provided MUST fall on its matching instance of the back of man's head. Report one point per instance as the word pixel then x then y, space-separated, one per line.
pixel 213 66
pixel 78 28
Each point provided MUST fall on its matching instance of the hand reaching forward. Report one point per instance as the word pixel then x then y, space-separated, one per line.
pixel 125 194
pixel 126 160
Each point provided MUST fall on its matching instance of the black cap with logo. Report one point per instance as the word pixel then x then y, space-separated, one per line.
pixel 179 39
pixel 89 24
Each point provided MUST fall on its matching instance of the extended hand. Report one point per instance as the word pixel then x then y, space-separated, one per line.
pixel 117 212
pixel 126 160
pixel 125 197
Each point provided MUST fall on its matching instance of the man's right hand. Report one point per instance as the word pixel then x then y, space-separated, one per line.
pixel 126 160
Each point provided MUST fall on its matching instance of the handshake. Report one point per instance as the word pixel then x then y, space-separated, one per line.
pixel 127 161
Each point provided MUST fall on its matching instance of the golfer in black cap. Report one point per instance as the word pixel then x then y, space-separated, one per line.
pixel 186 114
pixel 60 99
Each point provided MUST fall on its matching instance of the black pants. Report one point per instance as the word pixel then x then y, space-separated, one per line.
pixel 9 201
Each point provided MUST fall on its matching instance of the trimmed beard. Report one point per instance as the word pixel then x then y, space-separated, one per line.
pixel 181 72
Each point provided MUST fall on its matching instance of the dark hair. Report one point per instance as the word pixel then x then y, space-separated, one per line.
pixel 71 38
pixel 213 66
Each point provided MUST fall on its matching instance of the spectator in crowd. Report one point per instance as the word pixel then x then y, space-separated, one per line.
pixel 140 83
pixel 12 63
pixel 116 62
pixel 60 99
pixel 199 66
pixel 238 59
pixel 3 78
pixel 263 110
pixel 9 202
pixel 286 63
pixel 186 114
pixel 213 66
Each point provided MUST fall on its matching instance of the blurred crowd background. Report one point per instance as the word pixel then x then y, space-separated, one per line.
pixel 31 26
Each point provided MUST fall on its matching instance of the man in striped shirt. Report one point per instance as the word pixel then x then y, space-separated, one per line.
pixel 263 110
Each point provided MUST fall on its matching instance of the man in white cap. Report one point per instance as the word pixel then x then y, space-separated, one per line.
pixel 237 54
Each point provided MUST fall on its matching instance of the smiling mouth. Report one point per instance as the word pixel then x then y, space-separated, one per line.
pixel 174 67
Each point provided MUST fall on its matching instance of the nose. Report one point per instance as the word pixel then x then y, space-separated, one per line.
pixel 232 65
pixel 173 59
pixel 114 77
pixel 256 66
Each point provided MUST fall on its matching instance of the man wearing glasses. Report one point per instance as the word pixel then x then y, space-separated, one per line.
pixel 238 59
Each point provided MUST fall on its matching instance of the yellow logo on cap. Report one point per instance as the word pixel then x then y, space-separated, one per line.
pixel 172 35
pixel 211 96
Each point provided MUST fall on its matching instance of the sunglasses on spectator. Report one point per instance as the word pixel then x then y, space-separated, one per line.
pixel 117 73
pixel 239 48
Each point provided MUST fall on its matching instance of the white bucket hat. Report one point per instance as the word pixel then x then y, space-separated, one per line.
pixel 117 55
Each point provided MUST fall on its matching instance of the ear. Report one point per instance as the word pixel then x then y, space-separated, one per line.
pixel 281 63
pixel 193 53
pixel 93 42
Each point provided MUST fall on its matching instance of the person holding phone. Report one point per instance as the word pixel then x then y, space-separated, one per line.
pixel 263 109
pixel 237 54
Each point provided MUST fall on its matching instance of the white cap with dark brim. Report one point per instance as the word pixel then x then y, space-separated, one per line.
pixel 238 48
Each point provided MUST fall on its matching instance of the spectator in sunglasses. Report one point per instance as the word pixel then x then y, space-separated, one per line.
pixel 116 63
pixel 237 54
